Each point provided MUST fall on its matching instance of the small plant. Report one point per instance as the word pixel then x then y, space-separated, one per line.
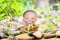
pixel 28 29
pixel 32 28
pixel 10 31
pixel 50 27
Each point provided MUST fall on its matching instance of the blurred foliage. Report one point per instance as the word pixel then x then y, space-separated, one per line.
pixel 58 6
pixel 17 7
pixel 14 7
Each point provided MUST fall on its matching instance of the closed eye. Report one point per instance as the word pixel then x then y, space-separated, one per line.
pixel 32 18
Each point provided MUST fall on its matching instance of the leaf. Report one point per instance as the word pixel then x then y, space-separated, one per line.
pixel 1 1
pixel 10 16
pixel 16 7
pixel 57 19
pixel 28 29
pixel 53 29
pixel 1 16
pixel 4 6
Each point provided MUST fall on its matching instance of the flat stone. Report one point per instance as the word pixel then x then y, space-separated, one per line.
pixel 23 37
pixel 5 39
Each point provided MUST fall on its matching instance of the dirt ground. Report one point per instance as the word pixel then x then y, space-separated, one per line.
pixel 42 39
pixel 49 39
pixel 52 39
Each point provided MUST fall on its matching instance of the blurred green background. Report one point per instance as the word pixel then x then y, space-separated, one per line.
pixel 17 7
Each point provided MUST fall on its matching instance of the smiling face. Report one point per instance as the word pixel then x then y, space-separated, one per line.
pixel 29 18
